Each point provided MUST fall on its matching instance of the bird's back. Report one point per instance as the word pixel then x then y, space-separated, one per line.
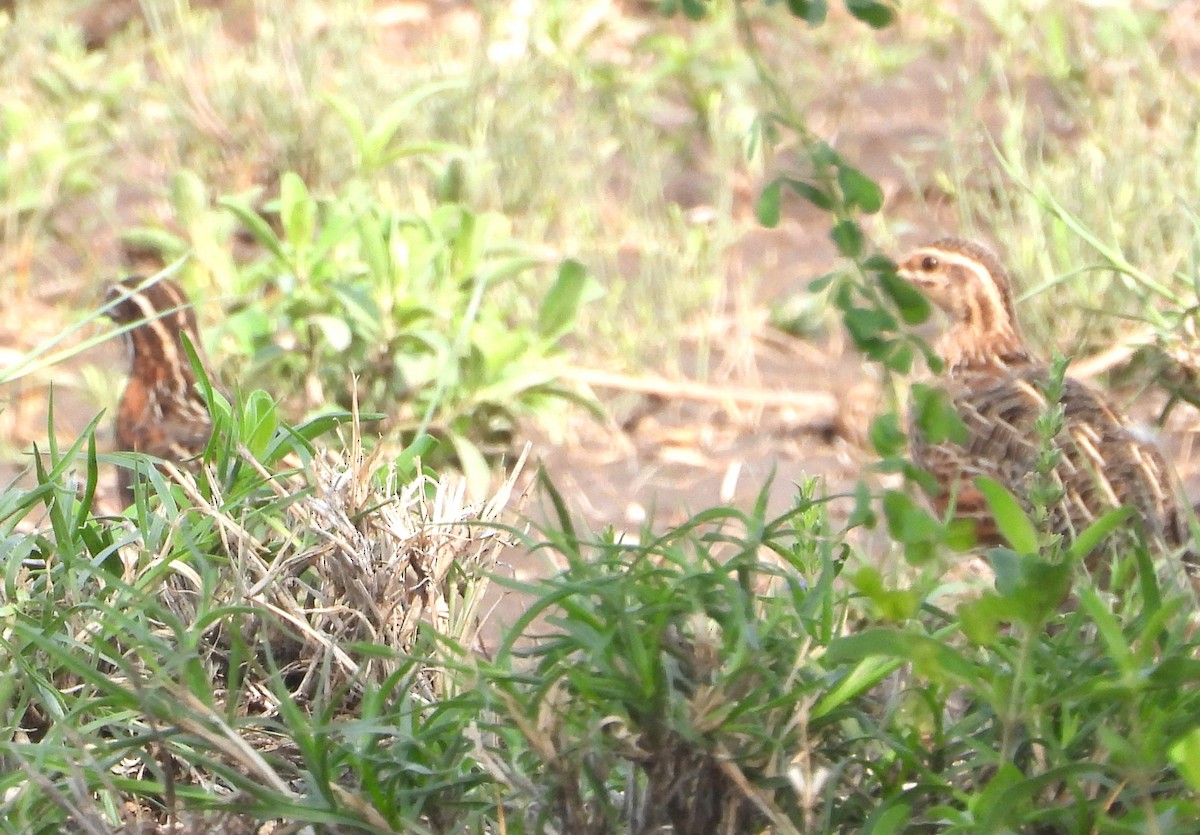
pixel 1103 462
pixel 161 413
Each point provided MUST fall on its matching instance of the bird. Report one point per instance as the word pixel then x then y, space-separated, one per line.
pixel 997 384
pixel 161 411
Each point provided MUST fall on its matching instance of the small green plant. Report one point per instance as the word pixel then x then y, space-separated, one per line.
pixel 147 652
pixel 719 671
pixel 352 300
pixel 678 674
pixel 209 646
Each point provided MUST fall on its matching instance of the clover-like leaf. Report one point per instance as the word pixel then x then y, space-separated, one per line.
pixel 768 206
pixel 859 190
pixel 871 12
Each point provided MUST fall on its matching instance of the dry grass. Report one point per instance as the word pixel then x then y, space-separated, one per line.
pixel 314 596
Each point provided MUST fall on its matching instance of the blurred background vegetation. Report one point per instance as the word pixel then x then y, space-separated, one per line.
pixel 448 159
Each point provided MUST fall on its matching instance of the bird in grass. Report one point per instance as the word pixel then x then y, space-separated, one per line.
pixel 161 412
pixel 996 385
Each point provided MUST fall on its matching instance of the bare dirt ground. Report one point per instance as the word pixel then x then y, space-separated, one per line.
pixel 774 404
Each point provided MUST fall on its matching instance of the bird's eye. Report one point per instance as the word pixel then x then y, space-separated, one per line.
pixel 929 263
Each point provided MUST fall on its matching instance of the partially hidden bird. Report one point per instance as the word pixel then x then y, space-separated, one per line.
pixel 997 386
pixel 161 412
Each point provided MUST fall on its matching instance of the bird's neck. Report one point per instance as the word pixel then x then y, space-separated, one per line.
pixel 969 347
pixel 159 359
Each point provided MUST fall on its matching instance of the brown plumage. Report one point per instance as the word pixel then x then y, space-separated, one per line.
pixel 995 384
pixel 160 413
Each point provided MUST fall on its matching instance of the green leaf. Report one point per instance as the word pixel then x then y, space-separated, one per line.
pixel 824 155
pixel 819 284
pixel 999 802
pixel 899 357
pixel 378 148
pixel 767 208
pixel 166 244
pixel 960 534
pixel 935 416
pixel 863 514
pixel 980 619
pixel 350 118
pixel 452 184
pixel 875 14
pixel 361 309
pixel 1011 519
pixel 919 477
pixel 753 141
pixel 912 526
pixel 295 439
pixel 893 604
pixel 866 674
pixel 848 238
pixel 321 424
pixel 878 263
pixel 802 314
pixel 374 238
pixel 202 380
pixel 189 196
pixel 810 11
pixel 931 656
pixel 868 327
pixel 259 422
pixel 1006 566
pixel 560 308
pixel 258 228
pixel 820 198
pixel 473 464
pixel 502 268
pixel 420 448
pixel 888 820
pixel 1097 532
pixel 1044 586
pixel 297 210
pixel 1185 754
pixel 859 190
pixel 886 435
pixel 913 306
pixel 843 295
pixel 338 229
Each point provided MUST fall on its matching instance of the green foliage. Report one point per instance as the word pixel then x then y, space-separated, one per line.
pixel 402 299
pixel 915 528
pixel 683 652
pixel 1007 715
pixel 1014 525
pixel 249 429
pixel 725 656
pixel 1045 489
pixel 875 14
pixel 138 641
pixel 1025 670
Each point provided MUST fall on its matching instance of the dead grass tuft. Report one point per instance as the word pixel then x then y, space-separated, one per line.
pixel 366 557
pixel 297 602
